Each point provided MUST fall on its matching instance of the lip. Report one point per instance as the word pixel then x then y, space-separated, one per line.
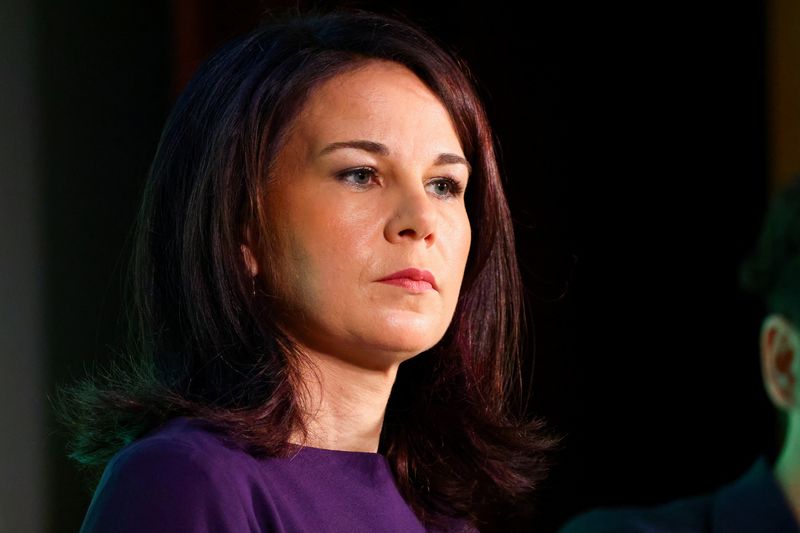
pixel 414 279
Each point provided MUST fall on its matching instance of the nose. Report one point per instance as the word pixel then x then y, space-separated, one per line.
pixel 414 217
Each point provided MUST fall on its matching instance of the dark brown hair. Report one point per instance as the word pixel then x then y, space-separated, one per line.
pixel 455 432
pixel 772 270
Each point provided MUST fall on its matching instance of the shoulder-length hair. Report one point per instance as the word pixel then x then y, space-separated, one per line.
pixel 202 345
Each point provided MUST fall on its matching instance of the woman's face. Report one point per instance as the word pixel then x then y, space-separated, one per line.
pixel 369 183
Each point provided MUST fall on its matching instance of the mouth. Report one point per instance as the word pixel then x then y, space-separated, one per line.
pixel 412 279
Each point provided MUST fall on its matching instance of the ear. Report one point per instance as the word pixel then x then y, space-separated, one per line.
pixel 780 361
pixel 249 260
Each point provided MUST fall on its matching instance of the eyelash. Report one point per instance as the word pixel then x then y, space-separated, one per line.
pixel 455 188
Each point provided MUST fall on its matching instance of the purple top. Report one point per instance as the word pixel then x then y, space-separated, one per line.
pixel 183 477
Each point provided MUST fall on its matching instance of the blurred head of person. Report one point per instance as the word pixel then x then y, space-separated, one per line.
pixel 772 272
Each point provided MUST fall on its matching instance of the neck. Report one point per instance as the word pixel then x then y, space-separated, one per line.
pixel 787 467
pixel 343 404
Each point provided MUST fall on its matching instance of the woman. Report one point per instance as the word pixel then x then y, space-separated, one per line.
pixel 326 297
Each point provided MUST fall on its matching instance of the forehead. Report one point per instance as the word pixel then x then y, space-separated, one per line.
pixel 381 101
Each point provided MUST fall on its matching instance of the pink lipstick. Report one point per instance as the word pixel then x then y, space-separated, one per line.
pixel 412 279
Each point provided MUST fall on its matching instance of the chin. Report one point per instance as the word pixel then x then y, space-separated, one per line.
pixel 402 343
pixel 401 351
pixel 385 357
pixel 377 341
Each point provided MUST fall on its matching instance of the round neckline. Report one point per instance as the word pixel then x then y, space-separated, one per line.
pixel 296 448
pixel 344 453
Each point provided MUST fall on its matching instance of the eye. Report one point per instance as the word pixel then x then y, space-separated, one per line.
pixel 446 187
pixel 357 177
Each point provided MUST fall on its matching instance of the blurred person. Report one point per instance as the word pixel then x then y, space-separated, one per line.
pixel 767 497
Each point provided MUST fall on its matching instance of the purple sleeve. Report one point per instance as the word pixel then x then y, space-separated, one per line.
pixel 166 486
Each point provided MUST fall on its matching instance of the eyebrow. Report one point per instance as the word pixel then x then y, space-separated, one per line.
pixel 382 149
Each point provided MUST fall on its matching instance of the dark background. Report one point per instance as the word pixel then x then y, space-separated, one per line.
pixel 634 143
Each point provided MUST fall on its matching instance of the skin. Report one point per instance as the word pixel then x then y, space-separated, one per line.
pixel 780 362
pixel 336 232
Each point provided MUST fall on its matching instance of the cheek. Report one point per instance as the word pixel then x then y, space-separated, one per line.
pixel 456 242
pixel 332 243
pixel 466 240
pixel 348 229
pixel 461 239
